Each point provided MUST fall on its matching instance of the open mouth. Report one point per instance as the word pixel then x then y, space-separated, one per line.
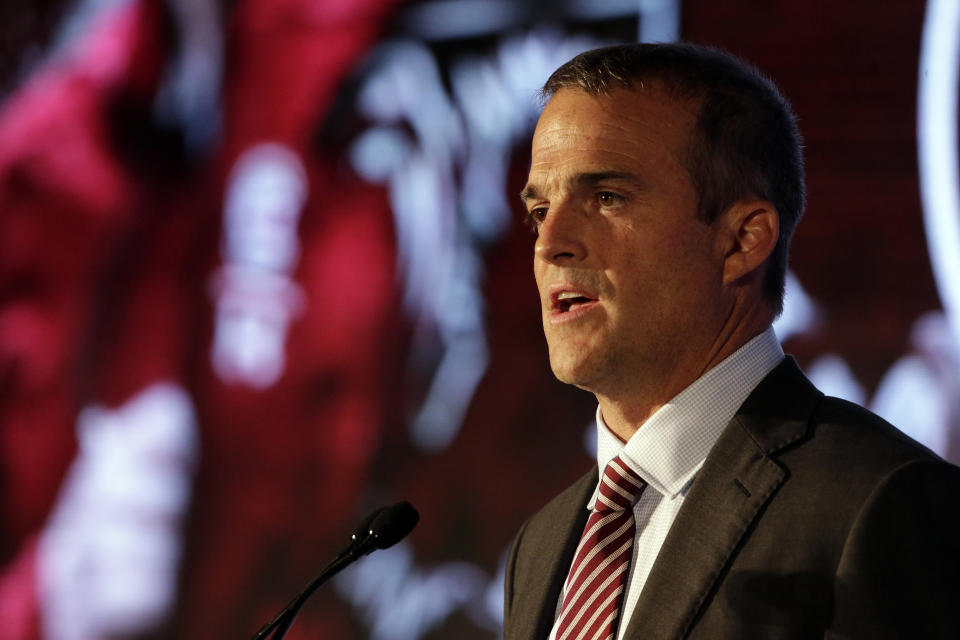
pixel 567 301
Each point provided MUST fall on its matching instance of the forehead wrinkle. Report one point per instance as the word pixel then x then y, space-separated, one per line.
pixel 615 131
pixel 591 178
pixel 607 153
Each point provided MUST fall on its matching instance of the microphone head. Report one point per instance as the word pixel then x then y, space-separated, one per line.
pixel 391 525
pixel 363 529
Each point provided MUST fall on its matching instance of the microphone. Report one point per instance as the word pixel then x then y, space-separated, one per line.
pixel 381 529
pixel 363 529
pixel 388 526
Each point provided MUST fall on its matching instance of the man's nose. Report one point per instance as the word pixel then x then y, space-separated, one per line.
pixel 560 237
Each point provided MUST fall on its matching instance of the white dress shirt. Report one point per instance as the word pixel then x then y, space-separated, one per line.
pixel 670 447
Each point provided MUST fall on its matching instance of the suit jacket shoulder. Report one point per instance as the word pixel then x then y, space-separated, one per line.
pixel 810 516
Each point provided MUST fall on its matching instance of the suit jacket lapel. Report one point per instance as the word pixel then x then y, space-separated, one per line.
pixel 550 541
pixel 738 478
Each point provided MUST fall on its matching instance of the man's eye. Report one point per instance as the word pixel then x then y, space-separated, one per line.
pixel 536 216
pixel 607 198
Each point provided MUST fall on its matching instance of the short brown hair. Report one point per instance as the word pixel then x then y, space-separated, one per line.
pixel 746 142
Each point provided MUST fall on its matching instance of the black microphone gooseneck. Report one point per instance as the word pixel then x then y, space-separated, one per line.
pixel 381 529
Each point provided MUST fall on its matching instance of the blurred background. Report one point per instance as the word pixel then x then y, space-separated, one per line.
pixel 263 269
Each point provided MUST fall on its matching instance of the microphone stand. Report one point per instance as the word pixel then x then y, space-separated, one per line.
pixel 381 529
pixel 284 619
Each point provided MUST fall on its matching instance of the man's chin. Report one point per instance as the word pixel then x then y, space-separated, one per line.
pixel 578 374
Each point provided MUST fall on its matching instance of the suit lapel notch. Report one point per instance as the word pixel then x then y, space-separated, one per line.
pixel 738 478
pixel 731 489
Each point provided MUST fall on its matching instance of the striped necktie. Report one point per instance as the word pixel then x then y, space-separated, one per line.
pixel 598 575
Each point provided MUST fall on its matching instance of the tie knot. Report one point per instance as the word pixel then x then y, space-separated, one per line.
pixel 619 487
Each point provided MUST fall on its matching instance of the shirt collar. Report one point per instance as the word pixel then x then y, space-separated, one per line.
pixel 670 447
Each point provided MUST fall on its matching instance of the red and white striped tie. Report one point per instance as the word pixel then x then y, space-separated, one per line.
pixel 598 575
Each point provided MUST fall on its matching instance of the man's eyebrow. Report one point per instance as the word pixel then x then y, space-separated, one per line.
pixel 590 178
pixel 593 177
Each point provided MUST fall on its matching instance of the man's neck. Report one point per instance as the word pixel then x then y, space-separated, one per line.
pixel 625 411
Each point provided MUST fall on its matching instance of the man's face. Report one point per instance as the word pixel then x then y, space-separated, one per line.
pixel 629 277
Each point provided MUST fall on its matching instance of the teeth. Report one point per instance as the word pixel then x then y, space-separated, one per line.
pixel 567 295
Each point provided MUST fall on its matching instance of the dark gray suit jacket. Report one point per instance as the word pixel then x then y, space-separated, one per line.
pixel 810 518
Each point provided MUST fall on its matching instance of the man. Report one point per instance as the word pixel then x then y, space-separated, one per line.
pixel 738 502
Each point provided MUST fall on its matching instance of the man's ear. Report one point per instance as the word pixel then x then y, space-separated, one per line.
pixel 751 229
